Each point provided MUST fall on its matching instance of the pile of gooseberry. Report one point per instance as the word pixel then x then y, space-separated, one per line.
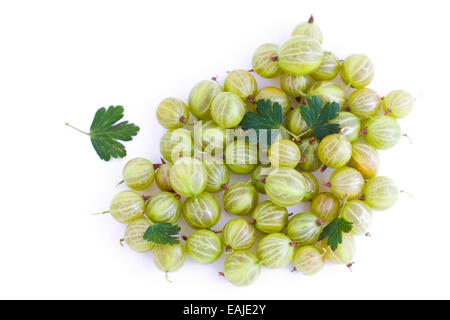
pixel 190 186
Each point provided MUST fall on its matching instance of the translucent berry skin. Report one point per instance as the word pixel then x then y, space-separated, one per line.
pixel 275 250
pixel 259 176
pixel 304 228
pixel 312 186
pixel 242 268
pixel 169 258
pixel 127 206
pixel 308 260
pixel 344 252
pixel 365 159
pixel 300 55
pixel 201 97
pixel 176 143
pixel 162 177
pixel 134 235
pixel 309 150
pixel 241 157
pixel 383 132
pixel 328 91
pixel 242 84
pixel 295 122
pixel 295 85
pixel 201 212
pixel 284 153
pixel 269 217
pixel 358 213
pixel 211 139
pixel 308 29
pixel 357 71
pixel 204 246
pixel 398 103
pixel 172 113
pixel 227 110
pixel 380 193
pixel 325 206
pixel 218 175
pixel 335 151
pixel 328 69
pixel 240 198
pixel 163 207
pixel 275 95
pixel 346 182
pixel 188 177
pixel 238 234
pixel 350 125
pixel 285 187
pixel 138 173
pixel 364 103
pixel 264 62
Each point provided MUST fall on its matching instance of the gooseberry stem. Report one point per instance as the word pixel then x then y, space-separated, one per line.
pixel 343 205
pixel 67 124
pixel 99 213
pixel 121 242
pixel 405 135
pixel 120 183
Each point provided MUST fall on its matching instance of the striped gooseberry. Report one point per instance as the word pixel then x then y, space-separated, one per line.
pixel 134 235
pixel 300 55
pixel 172 113
pixel 382 132
pixel 275 250
pixel 201 97
pixel 357 71
pixel 202 211
pixel 188 177
pixel 238 234
pixel 328 91
pixel 227 109
pixel 163 207
pixel 346 183
pixel 325 206
pixel 304 228
pixel 335 151
pixel 309 161
pixel 275 95
pixel 204 246
pixel 269 217
pixel 242 84
pixel 264 60
pixel 328 69
pixel 359 214
pixel 284 153
pixel 365 159
pixel 240 198
pixel 285 187
pixel 398 103
pixel 380 193
pixel 308 260
pixel 242 268
pixel 364 103
pixel 139 173
pixel 127 206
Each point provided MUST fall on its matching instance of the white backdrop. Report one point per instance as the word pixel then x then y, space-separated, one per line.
pixel 62 60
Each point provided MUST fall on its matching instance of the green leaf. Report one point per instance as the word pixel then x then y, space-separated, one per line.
pixel 334 232
pixel 105 131
pixel 317 117
pixel 269 117
pixel 163 233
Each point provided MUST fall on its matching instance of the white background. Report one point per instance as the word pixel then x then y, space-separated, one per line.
pixel 62 60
